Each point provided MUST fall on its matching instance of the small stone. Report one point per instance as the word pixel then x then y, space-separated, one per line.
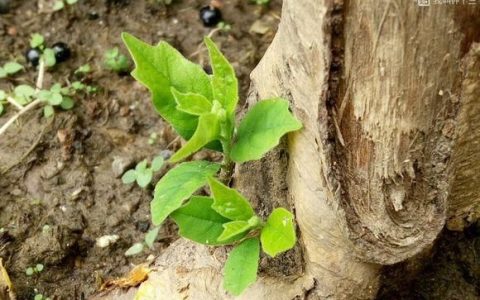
pixel 106 240
pixel 166 154
pixel 121 164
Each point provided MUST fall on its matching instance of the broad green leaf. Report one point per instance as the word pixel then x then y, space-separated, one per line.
pixel 224 81
pixel 197 221
pixel 261 129
pixel 278 235
pixel 178 185
pixel 144 177
pixel 134 250
pixel 129 177
pixel 49 57
pixel 229 202
pixel 194 104
pixel 151 236
pixel 241 266
pixel 233 228
pixel 12 67
pixel 67 103
pixel 157 163
pixel 161 67
pixel 207 131
pixel 48 111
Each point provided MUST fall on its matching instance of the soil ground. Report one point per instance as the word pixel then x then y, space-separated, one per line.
pixel 58 172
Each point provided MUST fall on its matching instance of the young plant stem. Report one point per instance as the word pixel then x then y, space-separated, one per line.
pixel 14 103
pixel 31 105
pixel 228 165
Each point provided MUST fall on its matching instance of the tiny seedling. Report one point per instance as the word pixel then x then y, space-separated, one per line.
pixel 83 69
pixel 152 138
pixel 10 68
pixel 202 109
pixel 60 4
pixel 115 61
pixel 260 2
pixel 143 174
pixel 224 27
pixel 150 238
pixel 39 296
pixel 37 269
pixel 38 51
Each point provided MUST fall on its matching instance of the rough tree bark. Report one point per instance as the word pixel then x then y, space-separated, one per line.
pixel 388 93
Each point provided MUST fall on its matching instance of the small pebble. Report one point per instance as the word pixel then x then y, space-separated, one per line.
pixel 106 240
pixel 121 164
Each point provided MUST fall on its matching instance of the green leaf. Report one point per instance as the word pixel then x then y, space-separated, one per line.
pixel 178 185
pixel 144 177
pixel 3 74
pixel 12 67
pixel 141 166
pixel 261 129
pixel 49 57
pixel 157 163
pixel 161 67
pixel 241 266
pixel 83 69
pixel 36 40
pixel 39 267
pixel 29 271
pixel 55 99
pixel 129 177
pixel 24 90
pixel 197 221
pixel 194 104
pixel 48 111
pixel 71 2
pixel 151 236
pixel 207 131
pixel 233 228
pixel 229 202
pixel 224 81
pixel 134 250
pixel 67 103
pixel 3 95
pixel 278 235
pixel 58 5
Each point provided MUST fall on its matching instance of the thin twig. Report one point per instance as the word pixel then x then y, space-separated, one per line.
pixel 41 72
pixel 14 103
pixel 21 112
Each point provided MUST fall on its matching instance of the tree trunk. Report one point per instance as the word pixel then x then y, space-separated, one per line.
pixel 388 95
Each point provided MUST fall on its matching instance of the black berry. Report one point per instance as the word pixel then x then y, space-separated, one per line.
pixel 210 16
pixel 62 52
pixel 33 56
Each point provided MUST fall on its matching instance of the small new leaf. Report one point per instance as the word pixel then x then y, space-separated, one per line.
pixel 157 163
pixel 151 236
pixel 233 228
pixel 241 266
pixel 229 202
pixel 129 177
pixel 198 222
pixel 224 81
pixel 261 129
pixel 207 131
pixel 12 67
pixel 278 235
pixel 178 185
pixel 194 104
pixel 134 250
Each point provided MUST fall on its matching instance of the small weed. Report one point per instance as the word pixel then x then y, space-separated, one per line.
pixel 150 238
pixel 37 269
pixel 60 4
pixel 143 174
pixel 115 61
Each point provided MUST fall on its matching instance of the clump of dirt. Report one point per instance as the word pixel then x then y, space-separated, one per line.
pixel 59 178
